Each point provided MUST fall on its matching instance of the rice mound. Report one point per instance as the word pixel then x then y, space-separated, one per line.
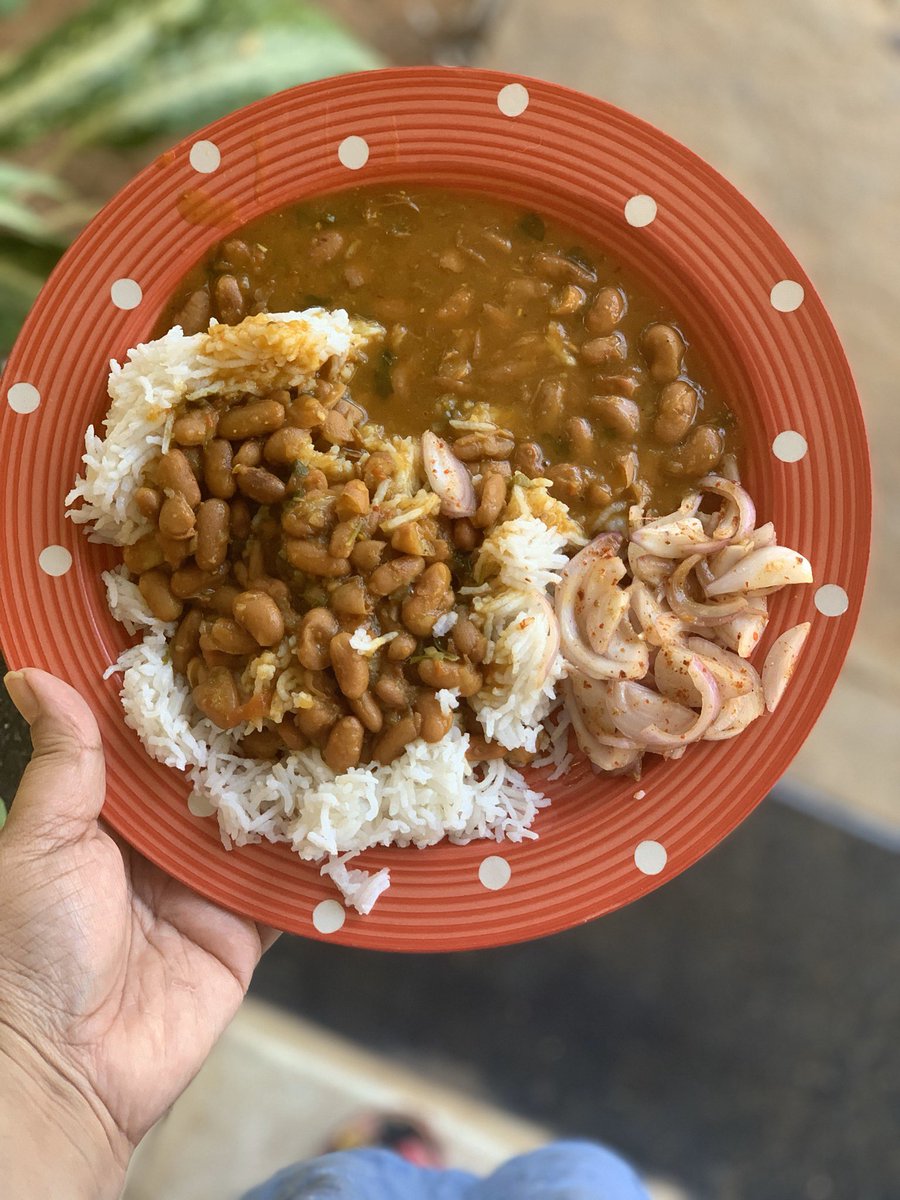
pixel 431 791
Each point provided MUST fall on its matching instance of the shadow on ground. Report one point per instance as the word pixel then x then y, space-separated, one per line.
pixel 735 1030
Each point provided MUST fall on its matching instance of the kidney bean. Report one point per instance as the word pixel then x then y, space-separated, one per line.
pixel 291 735
pixel 148 502
pixel 457 306
pixel 195 427
pixel 568 301
pixel 336 429
pixel 605 351
pixel 261 743
pixel 353 500
pixel 176 478
pixel 435 722
pixel 286 445
pixel 472 446
pixel 218 698
pixel 343 538
pixel 699 453
pixel 222 599
pixel 316 721
pixel 398 573
pixel 562 270
pixel 232 638
pixel 663 348
pixel 213 528
pixel 260 616
pixel 192 582
pixel 606 312
pixel 481 750
pixel 615 385
pixel 193 317
pixel 314 636
pixel 617 413
pixel 248 454
pixel 344 745
pixel 395 738
pixel 401 647
pixel 217 464
pixel 306 412
pixel 176 518
pixel 465 535
pixel 430 598
pixel 392 689
pixel 676 412
pixel 185 643
pixel 143 555
pixel 367 554
pixel 351 598
pixel 230 302
pixel 581 436
pixel 154 587
pixel 492 501
pixel 368 712
pixel 569 481
pixel 259 484
pixel 325 246
pixel 351 669
pixel 314 559
pixel 548 405
pixel 528 458
pixel 176 550
pixel 440 673
pixel 468 640
pixel 196 671
pixel 241 519
pixel 251 420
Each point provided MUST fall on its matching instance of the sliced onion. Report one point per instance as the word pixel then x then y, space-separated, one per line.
pixel 670 671
pixel 743 633
pixel 625 657
pixel 727 558
pixel 551 649
pixel 677 539
pixel 658 626
pixel 765 535
pixel 630 710
pixel 688 508
pixel 688 609
pixel 737 713
pixel 449 478
pixel 734 676
pixel 739 523
pixel 767 567
pixel 648 567
pixel 780 663
pixel 607 751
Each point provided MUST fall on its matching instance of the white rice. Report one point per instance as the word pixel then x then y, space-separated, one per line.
pixel 431 791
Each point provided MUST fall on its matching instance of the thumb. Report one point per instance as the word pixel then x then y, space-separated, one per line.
pixel 62 789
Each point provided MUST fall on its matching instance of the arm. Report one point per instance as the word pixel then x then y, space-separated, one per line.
pixel 115 981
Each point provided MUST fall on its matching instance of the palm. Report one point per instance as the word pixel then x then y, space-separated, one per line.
pixel 145 974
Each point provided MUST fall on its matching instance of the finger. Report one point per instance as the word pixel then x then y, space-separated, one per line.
pixel 267 936
pixel 63 786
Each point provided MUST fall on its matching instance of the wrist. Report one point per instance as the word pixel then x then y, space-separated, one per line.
pixel 54 1139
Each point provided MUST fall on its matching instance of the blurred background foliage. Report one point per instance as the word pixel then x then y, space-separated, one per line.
pixel 121 74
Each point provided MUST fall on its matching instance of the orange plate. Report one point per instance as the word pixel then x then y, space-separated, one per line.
pixel 704 248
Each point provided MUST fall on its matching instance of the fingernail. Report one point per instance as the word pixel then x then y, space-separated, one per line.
pixel 21 694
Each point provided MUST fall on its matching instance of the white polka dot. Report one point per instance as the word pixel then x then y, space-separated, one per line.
pixel 23 398
pixel 199 805
pixel 126 293
pixel 786 295
pixel 512 100
pixel 328 916
pixel 831 600
pixel 640 211
pixel 54 560
pixel 353 152
pixel 650 857
pixel 494 872
pixel 790 446
pixel 205 157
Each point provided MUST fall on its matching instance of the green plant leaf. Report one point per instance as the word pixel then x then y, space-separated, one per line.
pixel 37 206
pixel 195 82
pixel 2 805
pixel 57 76
pixel 24 266
pixel 10 6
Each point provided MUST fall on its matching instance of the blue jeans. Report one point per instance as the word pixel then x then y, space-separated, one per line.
pixel 563 1171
